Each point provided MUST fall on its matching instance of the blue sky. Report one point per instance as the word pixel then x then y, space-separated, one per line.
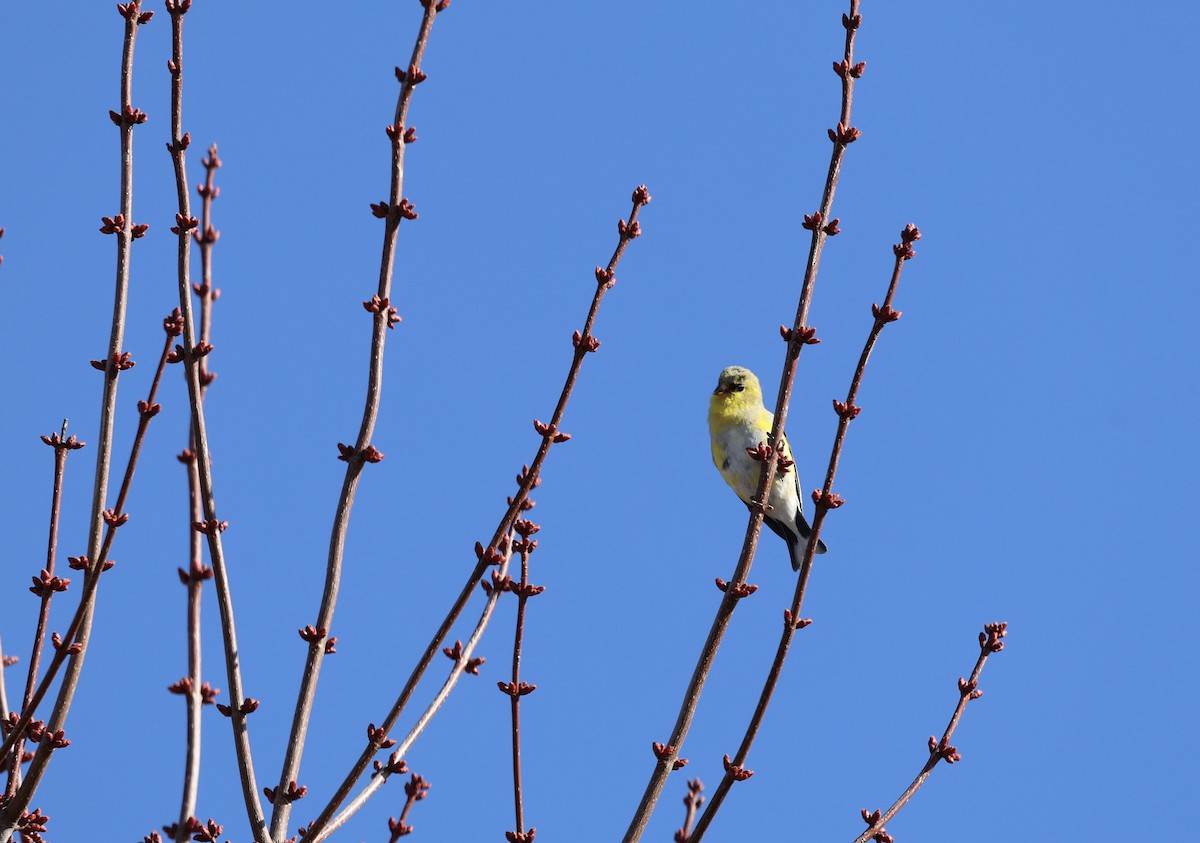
pixel 1025 452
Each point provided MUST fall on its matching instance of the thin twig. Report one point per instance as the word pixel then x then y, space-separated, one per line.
pixel 692 801
pixel 584 343
pixel 113 519
pixel 393 211
pixel 822 225
pixel 48 585
pixel 825 500
pixel 196 691
pixel 192 357
pixel 123 227
pixel 516 689
pixel 939 749
pixel 72 646
pixel 415 789
pixel 463 662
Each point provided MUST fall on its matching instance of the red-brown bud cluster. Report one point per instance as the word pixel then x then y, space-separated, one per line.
pixel 550 432
pixel 31 826
pixel 641 195
pixel 210 527
pixel 184 224
pixel 132 11
pixel 989 639
pixel 605 277
pixel 46 584
pixel 121 361
pixel 885 313
pixel 292 793
pixel 128 116
pixel 969 689
pixel 846 411
pixel 147 410
pixel 943 750
pixel 173 323
pixel 38 733
pixel 379 737
pixel 844 135
pixel 737 773
pixel 516 689
pixel 417 788
pixel 873 817
pixel 844 69
pixel 248 706
pixel 738 591
pixel 198 572
pixel 520 837
pixel 113 520
pixel 796 623
pixel 72 649
pixel 209 832
pixel 662 750
pixel 585 344
pixel 830 500
pixel 489 555
pixel 312 634
pixel 71 443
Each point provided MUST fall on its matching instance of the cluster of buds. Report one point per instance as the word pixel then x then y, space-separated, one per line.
pixel 664 751
pixel 871 818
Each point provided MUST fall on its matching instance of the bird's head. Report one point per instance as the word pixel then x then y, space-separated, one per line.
pixel 737 387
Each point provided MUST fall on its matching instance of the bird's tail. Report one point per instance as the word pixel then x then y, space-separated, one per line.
pixel 797 546
pixel 796 535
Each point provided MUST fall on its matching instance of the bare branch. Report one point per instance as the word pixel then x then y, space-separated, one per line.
pixel 968 689
pixel 822 225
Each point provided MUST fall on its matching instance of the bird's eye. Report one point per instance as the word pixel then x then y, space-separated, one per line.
pixel 739 387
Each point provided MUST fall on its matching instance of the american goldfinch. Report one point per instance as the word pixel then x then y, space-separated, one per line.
pixel 737 420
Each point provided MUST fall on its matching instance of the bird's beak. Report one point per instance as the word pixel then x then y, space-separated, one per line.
pixel 722 389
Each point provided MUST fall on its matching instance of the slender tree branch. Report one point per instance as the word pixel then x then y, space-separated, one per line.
pixel 516 689
pixel 584 343
pixel 48 585
pixel 939 749
pixel 192 355
pixel 825 500
pixel 463 662
pixel 692 802
pixel 113 519
pixel 415 789
pixel 822 226
pixel 393 211
pixel 197 692
pixel 123 227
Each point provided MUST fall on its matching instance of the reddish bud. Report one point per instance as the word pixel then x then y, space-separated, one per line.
pixel 739 774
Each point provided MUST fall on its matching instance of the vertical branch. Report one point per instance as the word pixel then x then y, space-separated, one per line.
pixel 692 803
pixel 797 337
pixel 584 343
pixel 385 318
pixel 516 689
pixel 939 749
pixel 205 236
pixel 52 736
pixel 192 354
pixel 825 500
pixel 45 587
pixel 196 691
pixel 126 232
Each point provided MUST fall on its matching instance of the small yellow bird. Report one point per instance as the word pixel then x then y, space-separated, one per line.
pixel 737 420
